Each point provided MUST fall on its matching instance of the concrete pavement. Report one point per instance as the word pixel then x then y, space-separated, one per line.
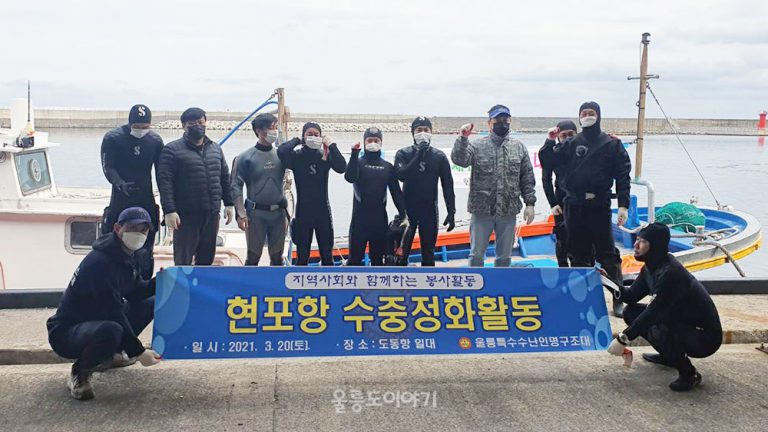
pixel 589 391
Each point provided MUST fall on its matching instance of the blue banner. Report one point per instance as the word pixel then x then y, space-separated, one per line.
pixel 237 312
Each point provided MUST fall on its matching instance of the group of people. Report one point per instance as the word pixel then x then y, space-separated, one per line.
pixel 110 298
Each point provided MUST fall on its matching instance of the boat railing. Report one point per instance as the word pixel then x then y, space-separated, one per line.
pixel 651 197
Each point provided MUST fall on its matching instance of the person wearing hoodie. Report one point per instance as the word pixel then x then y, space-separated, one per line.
pixel 553 188
pixel 502 176
pixel 420 167
pixel 591 162
pixel 128 154
pixel 311 158
pixel 371 176
pixel 680 322
pixel 106 305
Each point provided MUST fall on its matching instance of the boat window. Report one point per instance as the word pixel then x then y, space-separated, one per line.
pixel 81 233
pixel 32 171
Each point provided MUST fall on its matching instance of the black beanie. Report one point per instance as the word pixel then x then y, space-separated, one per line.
pixel 420 121
pixel 657 234
pixel 373 132
pixel 308 125
pixel 191 114
pixel 567 125
pixel 140 114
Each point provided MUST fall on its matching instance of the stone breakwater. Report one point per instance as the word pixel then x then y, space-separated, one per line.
pixel 295 126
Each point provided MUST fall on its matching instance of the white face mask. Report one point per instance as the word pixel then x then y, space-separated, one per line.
pixel 271 136
pixel 133 241
pixel 313 142
pixel 422 137
pixel 588 121
pixel 373 147
pixel 139 133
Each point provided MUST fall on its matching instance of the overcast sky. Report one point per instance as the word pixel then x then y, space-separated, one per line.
pixel 541 58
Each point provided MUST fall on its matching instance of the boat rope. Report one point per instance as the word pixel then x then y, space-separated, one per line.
pixel 269 101
pixel 674 130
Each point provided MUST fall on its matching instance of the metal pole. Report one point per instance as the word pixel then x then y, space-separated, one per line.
pixel 641 107
pixel 281 115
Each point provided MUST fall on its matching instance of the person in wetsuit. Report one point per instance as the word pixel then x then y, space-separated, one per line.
pixel 371 176
pixel 591 162
pixel 128 154
pixel 553 188
pixel 420 167
pixel 311 158
pixel 680 322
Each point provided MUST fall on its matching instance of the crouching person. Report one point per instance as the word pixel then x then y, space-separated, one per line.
pixel 680 321
pixel 106 306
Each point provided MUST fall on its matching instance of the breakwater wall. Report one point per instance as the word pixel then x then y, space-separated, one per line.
pixel 47 118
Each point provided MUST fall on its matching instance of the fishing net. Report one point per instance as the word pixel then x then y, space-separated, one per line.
pixel 681 216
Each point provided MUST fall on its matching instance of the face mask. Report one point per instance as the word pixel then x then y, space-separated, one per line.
pixel 313 142
pixel 133 241
pixel 501 129
pixel 271 136
pixel 196 132
pixel 588 121
pixel 139 133
pixel 372 147
pixel 422 138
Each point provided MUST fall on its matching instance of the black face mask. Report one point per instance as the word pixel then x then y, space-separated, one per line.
pixel 196 132
pixel 501 129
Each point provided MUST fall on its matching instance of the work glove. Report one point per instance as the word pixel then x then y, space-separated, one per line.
pixel 450 222
pixel 149 358
pixel 242 223
pixel 230 213
pixel 552 133
pixel 557 210
pixel 466 130
pixel 529 214
pixel 621 217
pixel 326 143
pixel 618 345
pixel 128 188
pixel 172 221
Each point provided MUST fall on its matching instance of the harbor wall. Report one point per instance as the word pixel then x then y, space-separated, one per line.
pixel 47 118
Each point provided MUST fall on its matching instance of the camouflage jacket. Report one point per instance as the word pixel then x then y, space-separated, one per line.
pixel 501 174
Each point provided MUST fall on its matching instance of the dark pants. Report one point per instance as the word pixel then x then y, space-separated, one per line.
pixel 144 256
pixel 677 341
pixel 92 342
pixel 590 237
pixel 561 241
pixel 424 218
pixel 363 232
pixel 321 224
pixel 194 243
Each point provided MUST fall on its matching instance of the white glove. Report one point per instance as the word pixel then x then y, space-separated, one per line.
pixel 616 348
pixel 529 214
pixel 149 358
pixel 172 221
pixel 557 210
pixel 230 212
pixel 621 217
pixel 466 130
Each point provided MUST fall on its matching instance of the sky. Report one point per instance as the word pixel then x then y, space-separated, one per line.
pixel 435 58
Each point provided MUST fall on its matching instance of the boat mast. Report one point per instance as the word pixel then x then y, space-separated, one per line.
pixel 282 114
pixel 641 107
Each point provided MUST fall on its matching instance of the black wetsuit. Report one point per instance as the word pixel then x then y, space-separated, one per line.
pixel 591 162
pixel 370 176
pixel 313 210
pixel 420 171
pixel 681 320
pixel 125 158
pixel 555 195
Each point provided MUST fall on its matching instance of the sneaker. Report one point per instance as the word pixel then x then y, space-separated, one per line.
pixel 79 385
pixel 656 358
pixel 686 382
pixel 118 360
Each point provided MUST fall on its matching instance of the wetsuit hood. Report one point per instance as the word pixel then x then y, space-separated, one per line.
pixel 594 130
pixel 568 125
pixel 658 236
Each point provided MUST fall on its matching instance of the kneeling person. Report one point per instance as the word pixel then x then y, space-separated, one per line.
pixel 681 320
pixel 94 325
